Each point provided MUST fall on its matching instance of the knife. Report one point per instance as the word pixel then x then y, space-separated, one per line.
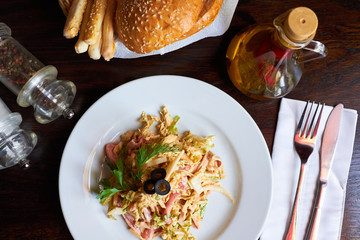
pixel 328 146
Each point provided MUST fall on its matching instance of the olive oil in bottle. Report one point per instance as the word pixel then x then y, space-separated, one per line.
pixel 266 61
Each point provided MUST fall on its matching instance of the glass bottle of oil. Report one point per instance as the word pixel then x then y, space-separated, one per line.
pixel 266 61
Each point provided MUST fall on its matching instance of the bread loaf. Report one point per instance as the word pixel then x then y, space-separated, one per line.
pixel 147 25
pixel 141 25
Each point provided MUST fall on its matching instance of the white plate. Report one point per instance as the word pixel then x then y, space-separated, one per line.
pixel 203 109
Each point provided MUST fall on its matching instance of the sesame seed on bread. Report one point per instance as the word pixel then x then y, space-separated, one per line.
pixel 147 25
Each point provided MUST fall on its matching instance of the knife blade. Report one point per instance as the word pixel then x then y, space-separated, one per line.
pixel 328 147
pixel 329 141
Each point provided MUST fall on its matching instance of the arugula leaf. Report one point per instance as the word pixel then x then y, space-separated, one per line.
pixel 105 183
pixel 106 193
pixel 111 165
pixel 118 173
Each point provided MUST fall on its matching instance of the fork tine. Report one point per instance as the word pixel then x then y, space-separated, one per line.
pixel 311 127
pixel 301 119
pixel 307 130
pixel 318 120
pixel 313 119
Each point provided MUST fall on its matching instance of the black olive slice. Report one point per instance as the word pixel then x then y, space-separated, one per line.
pixel 158 173
pixel 162 187
pixel 149 186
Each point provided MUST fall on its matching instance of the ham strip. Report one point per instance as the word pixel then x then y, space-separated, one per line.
pixel 183 183
pixel 142 233
pixel 147 214
pixel 117 200
pixel 136 142
pixel 182 217
pixel 203 163
pixel 147 234
pixel 170 203
pixel 158 232
pixel 196 221
pixel 130 220
pixel 110 153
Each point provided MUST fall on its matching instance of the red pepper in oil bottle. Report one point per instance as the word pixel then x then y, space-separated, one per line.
pixel 266 61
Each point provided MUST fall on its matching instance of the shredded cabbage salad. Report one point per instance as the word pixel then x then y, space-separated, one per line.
pixel 192 171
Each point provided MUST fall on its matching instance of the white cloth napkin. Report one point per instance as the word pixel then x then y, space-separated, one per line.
pixel 217 28
pixel 286 167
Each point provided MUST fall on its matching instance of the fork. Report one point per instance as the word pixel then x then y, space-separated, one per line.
pixel 304 141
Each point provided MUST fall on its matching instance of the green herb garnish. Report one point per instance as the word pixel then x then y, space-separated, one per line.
pixel 117 171
pixel 106 193
pixel 145 153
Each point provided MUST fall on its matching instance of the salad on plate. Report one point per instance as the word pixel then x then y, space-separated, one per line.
pixel 160 179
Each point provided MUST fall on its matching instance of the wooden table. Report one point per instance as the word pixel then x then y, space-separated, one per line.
pixel 29 202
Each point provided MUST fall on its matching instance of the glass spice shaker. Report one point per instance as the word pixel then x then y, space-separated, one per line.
pixel 266 61
pixel 32 82
pixel 15 143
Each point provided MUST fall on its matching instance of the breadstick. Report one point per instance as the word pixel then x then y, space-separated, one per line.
pixel 81 46
pixel 94 49
pixel 74 18
pixel 108 43
pixel 93 29
pixel 65 6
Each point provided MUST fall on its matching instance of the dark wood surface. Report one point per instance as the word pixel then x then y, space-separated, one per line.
pixel 29 199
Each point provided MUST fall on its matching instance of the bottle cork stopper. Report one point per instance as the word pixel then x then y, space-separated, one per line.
pixel 301 25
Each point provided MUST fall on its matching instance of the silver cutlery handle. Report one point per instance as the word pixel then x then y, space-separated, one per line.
pixel 291 231
pixel 313 226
